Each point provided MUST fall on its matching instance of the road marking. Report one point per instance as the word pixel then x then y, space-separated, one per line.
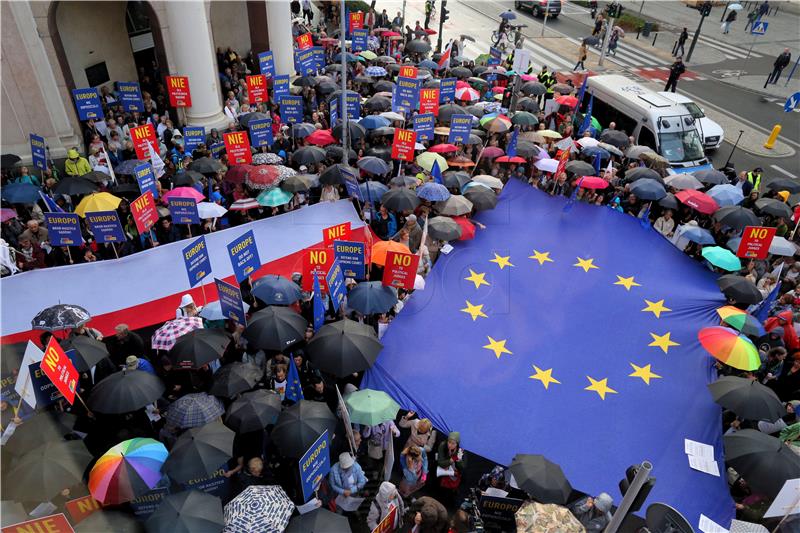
pixel 784 172
pixel 729 50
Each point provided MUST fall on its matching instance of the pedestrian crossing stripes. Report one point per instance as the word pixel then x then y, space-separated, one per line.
pixel 625 56
pixel 731 51
pixel 662 73
pixel 541 55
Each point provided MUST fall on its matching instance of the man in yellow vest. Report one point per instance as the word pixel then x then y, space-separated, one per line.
pixel 547 79
pixel 754 177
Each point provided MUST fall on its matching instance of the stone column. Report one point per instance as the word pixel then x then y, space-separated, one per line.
pixel 279 26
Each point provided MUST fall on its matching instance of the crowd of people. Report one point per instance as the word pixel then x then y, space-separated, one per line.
pixel 603 167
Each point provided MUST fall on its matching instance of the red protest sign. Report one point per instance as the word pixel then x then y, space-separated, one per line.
pixel 387 524
pixel 339 232
pixel 403 146
pixel 304 41
pixel 56 523
pixel 400 270
pixel 407 71
pixel 755 242
pixel 141 135
pixel 57 366
pixel 356 20
pixel 238 147
pixel 81 508
pixel 257 89
pixel 178 90
pixel 429 101
pixel 316 262
pixel 144 212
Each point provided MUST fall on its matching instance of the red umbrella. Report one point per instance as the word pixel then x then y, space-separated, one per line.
pixel 462 83
pixel 237 173
pixel 443 148
pixel 699 201
pixel 263 177
pixel 567 100
pixel 592 182
pixel 389 34
pixel 498 90
pixel 506 159
pixel 430 31
pixel 321 138
pixel 467 228
pixel 490 152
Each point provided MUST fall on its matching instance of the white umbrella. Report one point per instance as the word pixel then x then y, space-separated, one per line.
pixel 491 181
pixel 210 210
pixel 547 165
pixel 735 7
pixel 782 246
pixel 586 142
pixel 419 283
pixel 391 115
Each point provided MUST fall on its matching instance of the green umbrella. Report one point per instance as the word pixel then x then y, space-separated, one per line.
pixel 596 124
pixel 722 258
pixel 370 407
pixel 274 197
pixel 482 59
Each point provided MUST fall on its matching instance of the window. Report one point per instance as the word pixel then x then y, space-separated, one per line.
pixel 647 137
pixel 694 110
pixel 683 146
pixel 97 74
pixel 136 19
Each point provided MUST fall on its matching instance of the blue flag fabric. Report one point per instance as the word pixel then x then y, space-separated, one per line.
pixel 542 336
pixel 581 92
pixel 587 119
pixel 761 311
pixel 597 163
pixel 644 220
pixel 511 149
pixel 49 203
pixel 319 306
pixel 572 197
pixel 436 173
pixel 294 389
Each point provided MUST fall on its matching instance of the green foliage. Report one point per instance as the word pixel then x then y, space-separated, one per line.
pixel 357 5
pixel 631 22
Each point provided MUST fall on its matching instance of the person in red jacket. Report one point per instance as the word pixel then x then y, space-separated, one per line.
pixel 785 320
pixel 30 255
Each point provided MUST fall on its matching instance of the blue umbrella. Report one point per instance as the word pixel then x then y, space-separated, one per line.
pixel 213 311
pixel 373 191
pixel 696 234
pixel 20 193
pixel 726 194
pixel 276 290
pixel 194 410
pixel 508 15
pixel 350 58
pixel 648 190
pixel 374 165
pixel 126 167
pixel 427 63
pixel 433 192
pixel 591 151
pixel 376 71
pixel 370 297
pixel 373 122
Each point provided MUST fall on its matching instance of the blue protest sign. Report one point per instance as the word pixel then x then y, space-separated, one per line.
pixel 230 301
pixel 197 261
pixel 280 87
pixel 260 132
pixel 423 126
pixel 43 388
pixel 447 90
pixel 216 149
pixel 360 39
pixel 38 151
pixel 292 109
pixel 130 96
pixel 215 484
pixel 351 183
pixel 87 101
pixel 336 288
pixel 491 77
pixel 183 210
pixel 334 108
pixel 790 104
pixel 353 102
pixel 304 62
pixel 105 226
pixel 494 56
pixel 314 465
pixel 147 503
pixel 350 254
pixel 146 179
pixel 460 128
pixel 406 94
pixel 64 229
pixel 243 253
pixel 193 136
pixel 266 62
pixel 318 58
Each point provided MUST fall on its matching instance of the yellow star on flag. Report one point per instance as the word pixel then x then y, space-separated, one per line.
pixel 502 261
pixel 477 279
pixel 655 307
pixel 600 386
pixel 542 257
pixel 474 311
pixel 498 347
pixel 663 341
pixel 643 372
pixel 545 376
pixel 585 264
pixel 627 282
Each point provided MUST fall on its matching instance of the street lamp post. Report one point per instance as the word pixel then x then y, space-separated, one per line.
pixel 343 101
pixel 705 10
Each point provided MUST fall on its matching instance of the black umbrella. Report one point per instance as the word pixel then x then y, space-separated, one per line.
pixel 294 184
pixel 300 425
pixel 385 130
pixel 461 72
pixel 41 428
pixel 771 206
pixel 126 189
pixel 11 356
pixel 669 201
pixel 89 352
pixel 335 153
pixel 383 152
pixel 400 200
pixel 749 399
pixel 60 317
pixel 542 479
pixel 126 167
pixel 254 410
pixel 418 46
pixel 96 176
pixel 641 173
pixel 475 111
pixel 783 184
pixel 710 177
pixel 533 88
pixel 527 149
pixel 206 165
pixel 591 40
pixel 648 190
pixel 319 521
pixel 308 155
pixel 9 160
pixel 305 81
pixel 187 178
pixel 378 103
pixel 337 94
pixel 362 79
pixel 199 451
pixel 739 289
pixel 303 130
pixel 187 512
pixel 528 104
pixel 482 198
pixel 199 347
pixel 356 131
pixel 326 87
pixel 333 174
pixel 579 168
pixel 108 520
pixel 455 179
pixel 12 513
pixel 444 228
pixel 333 67
pixel 234 378
pixel 447 111
pixel 473 139
pixel 765 462
pixel 125 391
pixel 404 181
pixel 245 119
pixel 276 290
pixel 736 217
pixel 75 185
pixel 344 347
pixel 392 67
pixel 370 297
pixel 46 470
pixel 382 86
pixel 432 83
pixel 615 138
pixel 275 328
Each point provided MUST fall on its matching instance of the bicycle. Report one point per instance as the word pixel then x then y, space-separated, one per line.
pixel 513 37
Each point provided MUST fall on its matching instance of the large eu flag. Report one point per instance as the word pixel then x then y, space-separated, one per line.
pixel 572 335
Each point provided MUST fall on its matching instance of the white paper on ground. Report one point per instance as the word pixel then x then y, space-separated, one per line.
pixel 348 503
pixel 446 249
pixel 698 449
pixel 42 510
pixel 709 466
pixel 787 501
pixel 707 525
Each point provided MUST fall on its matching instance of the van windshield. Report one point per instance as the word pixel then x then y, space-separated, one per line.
pixel 694 109
pixel 680 147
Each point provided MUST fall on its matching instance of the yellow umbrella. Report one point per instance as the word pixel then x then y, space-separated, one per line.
pixel 425 160
pixel 441 130
pixel 550 134
pixel 98 201
pixel 368 54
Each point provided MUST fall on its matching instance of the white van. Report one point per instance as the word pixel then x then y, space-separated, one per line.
pixel 710 131
pixel 652 120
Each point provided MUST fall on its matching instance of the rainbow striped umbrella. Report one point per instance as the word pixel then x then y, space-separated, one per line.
pixel 126 471
pixel 728 346
pixel 741 320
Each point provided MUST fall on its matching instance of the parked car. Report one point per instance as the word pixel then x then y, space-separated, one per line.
pixel 538 7
pixel 710 131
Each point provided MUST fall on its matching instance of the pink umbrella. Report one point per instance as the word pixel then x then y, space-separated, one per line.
pixel 506 159
pixel 443 148
pixel 490 152
pixel 699 201
pixel 184 192
pixel 7 214
pixel 592 182
pixel 460 84
pixel 498 90
pixel 528 77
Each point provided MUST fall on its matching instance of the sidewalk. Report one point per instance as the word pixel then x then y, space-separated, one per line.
pixel 777 91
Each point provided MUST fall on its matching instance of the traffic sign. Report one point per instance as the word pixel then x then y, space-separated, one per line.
pixel 759 27
pixel 792 102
